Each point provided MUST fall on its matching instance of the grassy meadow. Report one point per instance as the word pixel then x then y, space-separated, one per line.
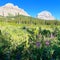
pixel 27 38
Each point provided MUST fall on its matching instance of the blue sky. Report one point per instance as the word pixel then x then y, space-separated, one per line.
pixel 33 7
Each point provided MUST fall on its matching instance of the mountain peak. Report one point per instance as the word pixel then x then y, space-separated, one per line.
pixel 11 9
pixel 46 15
pixel 9 4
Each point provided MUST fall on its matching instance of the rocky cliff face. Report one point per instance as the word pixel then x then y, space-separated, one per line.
pixel 10 9
pixel 45 15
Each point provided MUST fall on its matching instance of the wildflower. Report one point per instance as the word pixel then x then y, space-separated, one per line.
pixel 47 43
pixel 37 44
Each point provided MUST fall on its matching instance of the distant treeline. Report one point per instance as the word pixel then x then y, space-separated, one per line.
pixel 28 20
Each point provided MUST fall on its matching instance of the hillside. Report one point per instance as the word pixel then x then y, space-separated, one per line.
pixel 29 30
pixel 20 19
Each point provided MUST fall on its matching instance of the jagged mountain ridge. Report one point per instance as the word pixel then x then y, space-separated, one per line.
pixel 10 9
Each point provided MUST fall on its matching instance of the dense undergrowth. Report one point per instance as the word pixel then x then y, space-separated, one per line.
pixel 20 41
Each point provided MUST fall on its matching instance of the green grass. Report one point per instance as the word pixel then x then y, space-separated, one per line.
pixel 22 37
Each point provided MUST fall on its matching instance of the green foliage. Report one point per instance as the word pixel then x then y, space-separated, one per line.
pixel 19 19
pixel 27 38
